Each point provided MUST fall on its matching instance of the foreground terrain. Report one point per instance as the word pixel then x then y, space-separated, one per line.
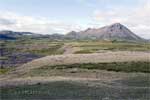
pixel 83 70
pixel 82 84
pixel 125 89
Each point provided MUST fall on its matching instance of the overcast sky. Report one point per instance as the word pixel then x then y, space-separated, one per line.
pixel 62 16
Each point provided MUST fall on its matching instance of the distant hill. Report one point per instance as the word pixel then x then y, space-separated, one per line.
pixel 11 35
pixel 112 32
pixel 6 37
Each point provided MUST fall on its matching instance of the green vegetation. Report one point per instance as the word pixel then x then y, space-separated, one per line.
pixel 139 81
pixel 23 49
pixel 39 47
pixel 53 50
pixel 95 46
pixel 83 52
pixel 4 70
pixel 47 47
pixel 14 53
pixel 115 66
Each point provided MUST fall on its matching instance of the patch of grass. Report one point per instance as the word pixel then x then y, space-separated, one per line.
pixel 114 66
pixel 3 71
pixel 53 50
pixel 3 58
pixel 83 52
pixel 123 46
pixel 139 81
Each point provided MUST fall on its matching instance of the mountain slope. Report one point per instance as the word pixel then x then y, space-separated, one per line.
pixel 112 32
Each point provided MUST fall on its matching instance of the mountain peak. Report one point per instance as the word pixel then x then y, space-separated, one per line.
pixel 116 26
pixel 114 31
pixel 72 32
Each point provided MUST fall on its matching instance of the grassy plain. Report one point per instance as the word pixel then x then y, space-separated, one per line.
pixel 128 80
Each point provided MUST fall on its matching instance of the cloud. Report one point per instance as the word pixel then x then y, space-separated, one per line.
pixel 5 22
pixel 12 21
pixel 137 19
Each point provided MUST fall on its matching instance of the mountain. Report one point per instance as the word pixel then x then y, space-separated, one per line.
pixel 115 31
pixel 111 32
pixel 5 37
pixel 11 35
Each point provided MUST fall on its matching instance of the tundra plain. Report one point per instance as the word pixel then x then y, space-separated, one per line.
pixel 71 69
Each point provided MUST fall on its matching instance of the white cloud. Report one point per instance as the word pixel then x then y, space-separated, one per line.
pixel 137 19
pixel 12 21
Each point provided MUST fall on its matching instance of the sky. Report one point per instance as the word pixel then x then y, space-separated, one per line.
pixel 63 16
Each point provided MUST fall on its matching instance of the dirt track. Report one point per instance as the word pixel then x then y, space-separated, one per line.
pixel 69 49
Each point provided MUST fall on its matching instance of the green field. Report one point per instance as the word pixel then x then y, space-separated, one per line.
pixel 48 47
pixel 25 50
pixel 99 46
